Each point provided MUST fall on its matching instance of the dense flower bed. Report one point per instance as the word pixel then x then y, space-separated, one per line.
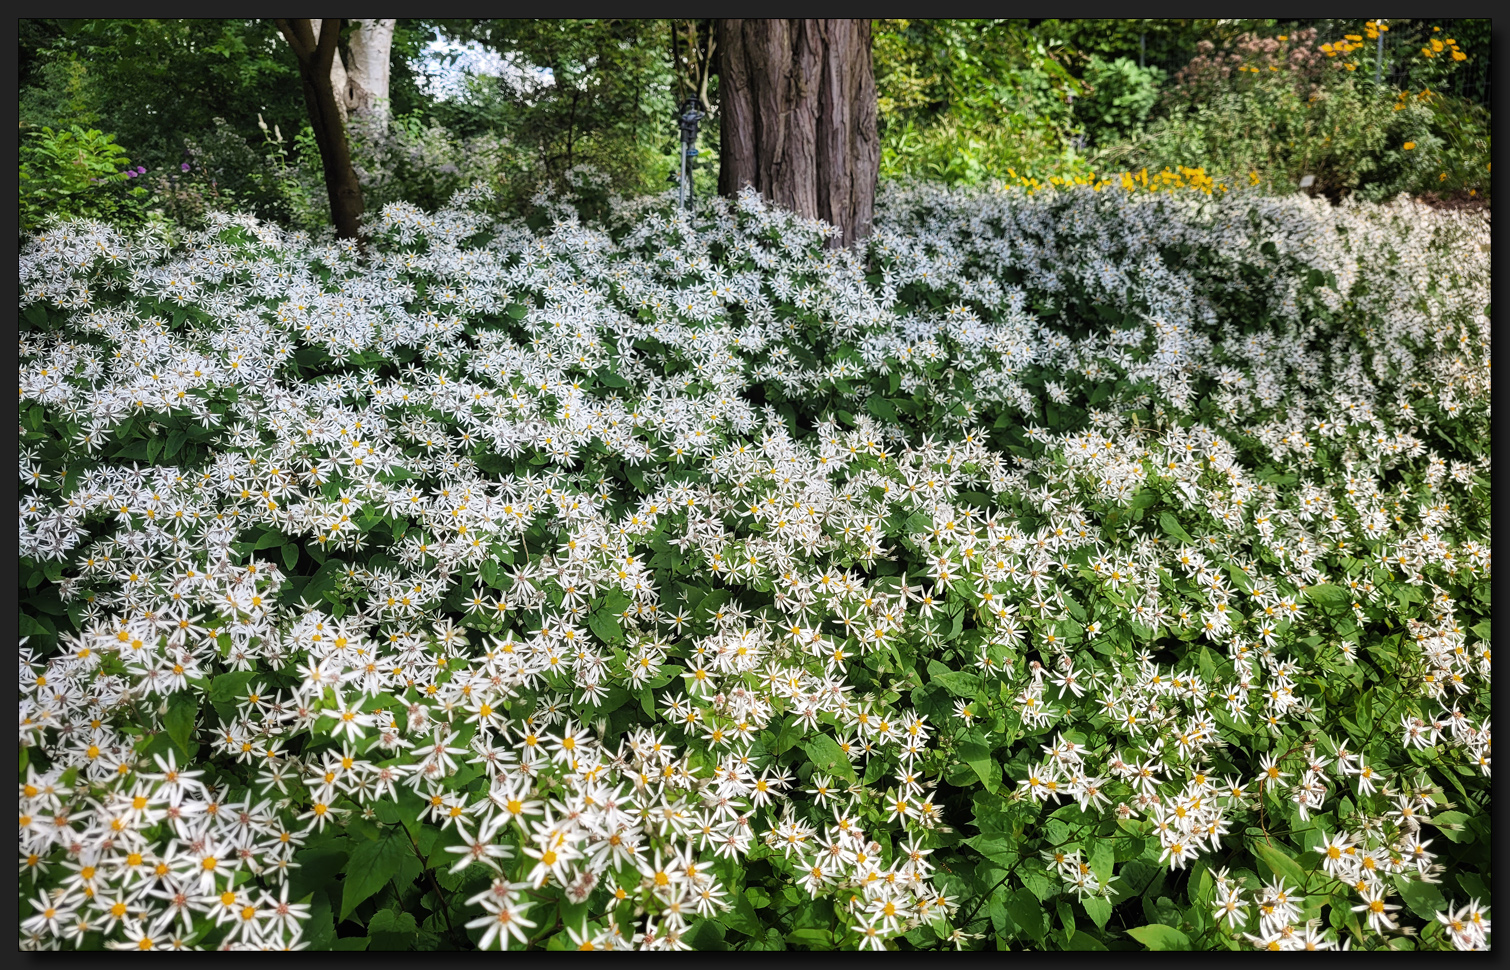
pixel 1070 570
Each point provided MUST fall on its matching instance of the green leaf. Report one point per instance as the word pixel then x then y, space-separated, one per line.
pixel 1027 913
pixel 1001 920
pixel 1157 936
pixel 814 939
pixel 228 689
pixel 605 625
pixel 324 579
pixel 1280 863
pixel 742 918
pixel 320 927
pixel 1103 860
pixel 1066 919
pixel 1452 825
pixel 706 934
pixel 1084 941
pixel 616 602
pixel 956 682
pixel 1423 898
pixel 290 555
pixel 183 708
pixel 318 867
pixel 976 753
pixel 351 943
pixel 1328 594
pixel 372 864
pixel 1098 909
pixel 828 757
pixel 608 378
pixel 790 733
pixel 1173 529
pixel 391 930
pixel 999 850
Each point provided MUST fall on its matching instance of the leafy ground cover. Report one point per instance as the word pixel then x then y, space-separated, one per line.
pixel 1072 569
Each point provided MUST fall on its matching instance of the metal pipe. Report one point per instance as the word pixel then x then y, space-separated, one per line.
pixel 689 117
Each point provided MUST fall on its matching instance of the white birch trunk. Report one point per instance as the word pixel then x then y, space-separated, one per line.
pixel 367 68
pixel 360 80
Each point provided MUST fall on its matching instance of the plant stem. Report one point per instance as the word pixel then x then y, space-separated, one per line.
pixel 440 897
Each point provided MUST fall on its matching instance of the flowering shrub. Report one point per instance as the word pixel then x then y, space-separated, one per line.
pixel 1287 107
pixel 1296 57
pixel 1068 569
pixel 76 173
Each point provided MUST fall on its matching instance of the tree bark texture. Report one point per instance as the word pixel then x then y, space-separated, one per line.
pixel 360 79
pixel 315 57
pixel 369 55
pixel 798 106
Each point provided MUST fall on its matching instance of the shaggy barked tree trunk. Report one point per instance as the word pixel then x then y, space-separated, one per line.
pixel 797 100
pixel 315 56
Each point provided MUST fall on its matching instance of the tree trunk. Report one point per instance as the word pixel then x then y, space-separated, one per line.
pixel 798 107
pixel 315 58
pixel 368 60
pixel 360 80
pixel 339 82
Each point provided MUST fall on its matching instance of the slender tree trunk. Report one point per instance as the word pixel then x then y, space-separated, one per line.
pixel 315 57
pixel 798 106
pixel 339 81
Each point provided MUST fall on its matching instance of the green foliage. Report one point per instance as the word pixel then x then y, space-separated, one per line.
pixel 77 174
pixel 1348 136
pixel 595 94
pixel 1121 96
pixel 154 82
pixel 966 100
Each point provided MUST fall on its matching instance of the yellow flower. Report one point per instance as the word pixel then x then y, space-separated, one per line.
pixel 1442 177
pixel 1459 56
pixel 1283 37
pixel 1409 145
